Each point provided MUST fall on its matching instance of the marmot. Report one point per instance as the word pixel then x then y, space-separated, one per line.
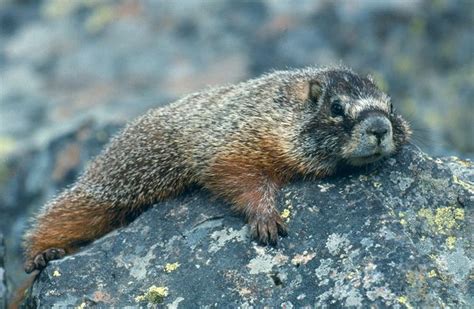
pixel 242 142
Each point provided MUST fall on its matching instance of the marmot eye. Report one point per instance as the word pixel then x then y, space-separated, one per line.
pixel 337 109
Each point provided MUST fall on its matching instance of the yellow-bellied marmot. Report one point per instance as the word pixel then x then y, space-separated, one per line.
pixel 241 141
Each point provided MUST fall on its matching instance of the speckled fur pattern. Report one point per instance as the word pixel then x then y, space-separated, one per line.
pixel 242 142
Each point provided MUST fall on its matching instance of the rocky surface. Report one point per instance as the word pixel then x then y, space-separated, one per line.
pixel 397 234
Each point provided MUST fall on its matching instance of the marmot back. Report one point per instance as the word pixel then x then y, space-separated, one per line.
pixel 242 142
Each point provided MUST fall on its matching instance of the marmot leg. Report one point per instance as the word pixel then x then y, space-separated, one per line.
pixel 252 194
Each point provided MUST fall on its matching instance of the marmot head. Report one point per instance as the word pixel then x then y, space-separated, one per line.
pixel 348 119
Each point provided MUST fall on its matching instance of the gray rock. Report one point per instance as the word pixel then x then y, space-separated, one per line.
pixel 397 234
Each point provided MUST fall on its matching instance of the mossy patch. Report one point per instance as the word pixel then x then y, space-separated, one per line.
pixel 170 267
pixel 154 295
pixel 404 301
pixel 465 184
pixel 442 220
pixel 401 215
pixel 286 213
pixel 451 242
pixel 432 274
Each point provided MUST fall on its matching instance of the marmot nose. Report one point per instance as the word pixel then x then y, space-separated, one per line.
pixel 379 128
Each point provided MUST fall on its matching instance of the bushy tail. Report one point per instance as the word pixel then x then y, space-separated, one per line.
pixel 68 222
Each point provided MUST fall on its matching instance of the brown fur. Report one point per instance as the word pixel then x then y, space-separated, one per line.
pixel 65 226
pixel 242 142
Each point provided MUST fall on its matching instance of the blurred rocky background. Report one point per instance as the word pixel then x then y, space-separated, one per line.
pixel 70 70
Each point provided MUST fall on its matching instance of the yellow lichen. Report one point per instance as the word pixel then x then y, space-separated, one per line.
pixel 432 274
pixel 451 242
pixel 403 222
pixel 56 273
pixel 459 214
pixel 425 212
pixel 376 184
pixel 443 219
pixel 170 267
pixel 154 295
pixel 465 184
pixel 404 301
pixel 286 213
pixel 462 162
pixel 410 277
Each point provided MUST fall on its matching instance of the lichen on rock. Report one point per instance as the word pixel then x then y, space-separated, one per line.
pixel 403 242
pixel 154 295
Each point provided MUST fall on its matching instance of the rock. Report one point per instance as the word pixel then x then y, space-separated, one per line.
pixel 3 283
pixel 397 234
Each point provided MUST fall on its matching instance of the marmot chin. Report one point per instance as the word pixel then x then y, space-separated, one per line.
pixel 241 142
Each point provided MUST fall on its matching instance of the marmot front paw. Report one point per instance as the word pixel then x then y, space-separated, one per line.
pixel 266 228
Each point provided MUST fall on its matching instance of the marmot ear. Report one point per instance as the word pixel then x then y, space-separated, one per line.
pixel 315 91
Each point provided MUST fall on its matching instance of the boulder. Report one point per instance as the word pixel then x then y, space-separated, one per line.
pixel 395 234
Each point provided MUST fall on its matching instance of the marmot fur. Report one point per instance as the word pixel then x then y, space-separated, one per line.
pixel 242 142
